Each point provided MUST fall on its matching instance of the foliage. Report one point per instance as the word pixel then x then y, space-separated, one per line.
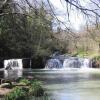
pixel 28 35
pixel 36 89
pixel 22 92
pixel 96 58
pixel 16 94
pixel 24 81
pixel 80 53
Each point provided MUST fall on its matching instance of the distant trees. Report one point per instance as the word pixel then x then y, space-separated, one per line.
pixel 26 32
pixel 94 33
pixel 26 29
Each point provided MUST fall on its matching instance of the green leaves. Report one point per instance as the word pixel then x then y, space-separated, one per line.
pixel 16 94
pixel 28 89
pixel 28 35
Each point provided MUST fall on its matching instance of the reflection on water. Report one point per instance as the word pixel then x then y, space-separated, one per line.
pixel 66 85
pixel 85 90
pixel 11 74
pixel 71 85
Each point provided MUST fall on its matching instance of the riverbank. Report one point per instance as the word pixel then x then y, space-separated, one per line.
pixel 21 89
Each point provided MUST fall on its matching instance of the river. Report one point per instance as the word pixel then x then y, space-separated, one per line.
pixel 70 84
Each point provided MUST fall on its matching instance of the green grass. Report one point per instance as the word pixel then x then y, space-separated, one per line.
pixel 88 54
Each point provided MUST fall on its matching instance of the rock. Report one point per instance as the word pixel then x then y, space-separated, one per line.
pixel 95 64
pixel 5 85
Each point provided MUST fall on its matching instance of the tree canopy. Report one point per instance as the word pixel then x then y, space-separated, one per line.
pixel 27 27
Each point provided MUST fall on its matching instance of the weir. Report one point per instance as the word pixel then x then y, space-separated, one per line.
pixel 13 64
pixel 13 68
pixel 64 62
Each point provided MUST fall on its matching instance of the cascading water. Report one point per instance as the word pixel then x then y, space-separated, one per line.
pixel 64 62
pixel 13 64
pixel 87 63
pixel 53 63
pixel 13 68
pixel 71 62
pixel 75 62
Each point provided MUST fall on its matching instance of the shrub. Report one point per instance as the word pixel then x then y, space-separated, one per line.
pixel 24 82
pixel 96 58
pixel 36 88
pixel 17 94
pixel 33 88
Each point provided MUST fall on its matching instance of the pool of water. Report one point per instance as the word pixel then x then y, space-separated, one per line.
pixel 70 84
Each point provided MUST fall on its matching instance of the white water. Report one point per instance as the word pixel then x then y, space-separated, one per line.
pixel 13 64
pixel 13 74
pixel 68 62
pixel 77 63
pixel 53 63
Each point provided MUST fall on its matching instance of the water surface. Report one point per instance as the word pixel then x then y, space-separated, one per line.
pixel 70 84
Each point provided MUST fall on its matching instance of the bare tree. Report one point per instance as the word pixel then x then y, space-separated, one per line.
pixel 92 12
pixel 75 4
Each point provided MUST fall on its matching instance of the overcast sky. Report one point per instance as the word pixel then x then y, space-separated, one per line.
pixel 76 19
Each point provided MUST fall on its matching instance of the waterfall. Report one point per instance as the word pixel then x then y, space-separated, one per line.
pixel 13 64
pixel 71 62
pixel 53 63
pixel 63 62
pixel 76 62
pixel 86 63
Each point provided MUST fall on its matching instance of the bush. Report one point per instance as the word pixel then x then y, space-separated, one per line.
pixel 24 82
pixel 17 94
pixel 36 88
pixel 32 88
pixel 96 58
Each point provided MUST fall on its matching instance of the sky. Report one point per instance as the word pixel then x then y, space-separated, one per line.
pixel 76 18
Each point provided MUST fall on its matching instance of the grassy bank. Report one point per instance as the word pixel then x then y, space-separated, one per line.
pixel 22 89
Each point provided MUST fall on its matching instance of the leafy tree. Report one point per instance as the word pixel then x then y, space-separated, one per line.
pixel 27 33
